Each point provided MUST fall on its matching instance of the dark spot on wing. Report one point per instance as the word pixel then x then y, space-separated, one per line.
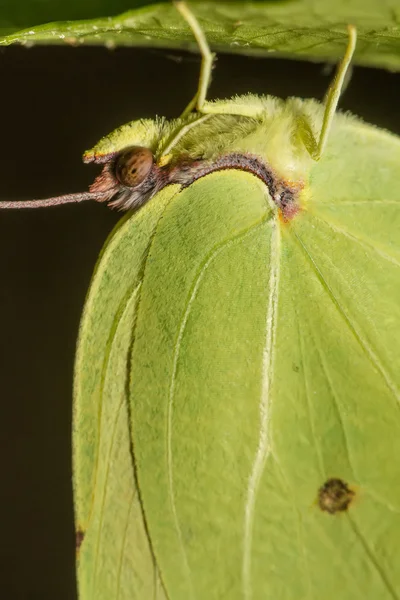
pixel 79 537
pixel 334 496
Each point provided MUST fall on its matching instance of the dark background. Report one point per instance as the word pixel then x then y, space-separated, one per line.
pixel 55 103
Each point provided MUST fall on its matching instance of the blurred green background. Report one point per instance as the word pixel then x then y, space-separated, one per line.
pixel 55 103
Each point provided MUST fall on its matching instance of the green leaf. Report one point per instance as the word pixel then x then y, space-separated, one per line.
pixel 299 28
pixel 256 360
pixel 28 13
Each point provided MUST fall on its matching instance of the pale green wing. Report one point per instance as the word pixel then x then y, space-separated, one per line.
pixel 115 557
pixel 265 362
pixel 197 377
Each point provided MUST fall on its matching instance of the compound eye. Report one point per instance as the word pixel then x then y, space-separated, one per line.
pixel 133 166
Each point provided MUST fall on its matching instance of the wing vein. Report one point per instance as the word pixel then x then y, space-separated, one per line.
pixel 336 405
pixel 264 445
pixel 361 341
pixel 357 240
pixel 131 297
pixel 188 306
pixel 368 551
pixel 123 545
pixel 317 445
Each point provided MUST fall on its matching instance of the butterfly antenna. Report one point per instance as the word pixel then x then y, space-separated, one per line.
pixel 56 201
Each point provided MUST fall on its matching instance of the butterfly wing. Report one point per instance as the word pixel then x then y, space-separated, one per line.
pixel 114 555
pixel 255 362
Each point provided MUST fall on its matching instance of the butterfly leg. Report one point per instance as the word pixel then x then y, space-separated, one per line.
pixel 207 58
pixel 315 147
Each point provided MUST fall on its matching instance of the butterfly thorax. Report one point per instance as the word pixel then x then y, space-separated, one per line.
pixel 266 136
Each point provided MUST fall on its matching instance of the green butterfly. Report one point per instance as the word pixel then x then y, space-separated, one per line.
pixel 237 417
